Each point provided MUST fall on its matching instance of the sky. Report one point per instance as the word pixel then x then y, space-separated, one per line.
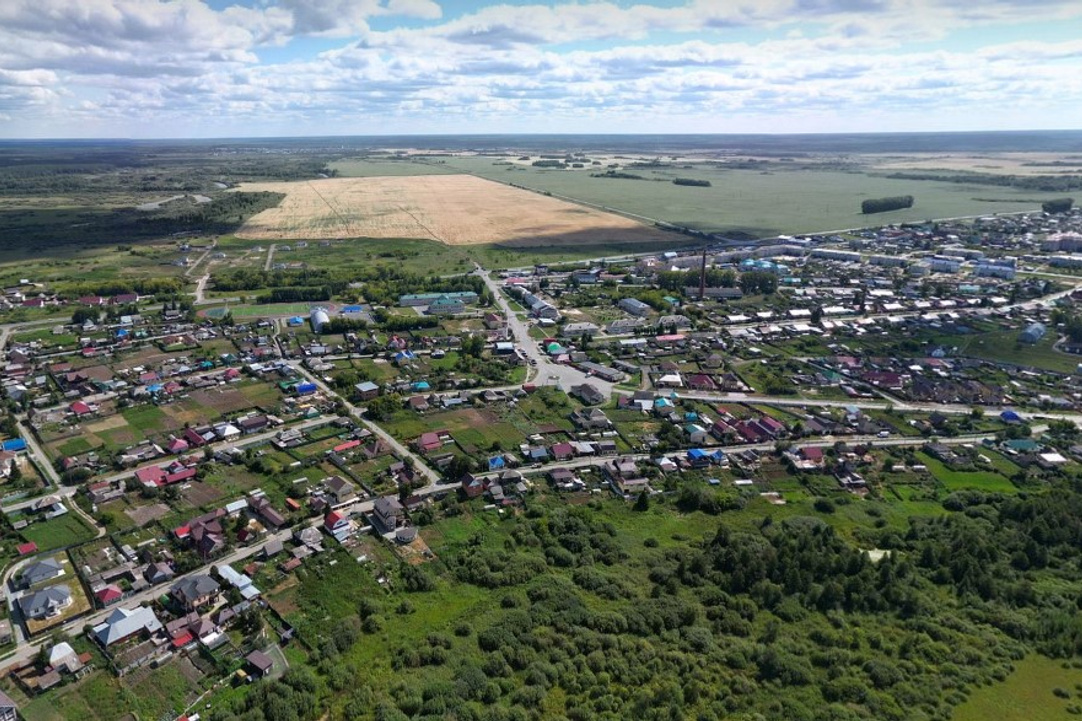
pixel 250 68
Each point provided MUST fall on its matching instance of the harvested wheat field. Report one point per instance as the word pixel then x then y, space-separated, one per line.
pixel 453 209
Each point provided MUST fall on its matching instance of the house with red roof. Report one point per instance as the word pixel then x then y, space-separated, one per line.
pixel 720 429
pixel 178 446
pixel 186 474
pixel 701 382
pixel 347 446
pixel 773 425
pixel 562 451
pixel 431 441
pixel 751 432
pixel 473 486
pixel 338 525
pixel 79 408
pixel 25 549
pixel 334 521
pixel 196 439
pixel 150 476
pixel 109 594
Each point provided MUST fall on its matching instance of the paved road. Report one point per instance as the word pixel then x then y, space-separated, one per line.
pixel 68 491
pixel 358 414
pixel 947 408
pixel 548 373
pixel 26 651
pixel 819 442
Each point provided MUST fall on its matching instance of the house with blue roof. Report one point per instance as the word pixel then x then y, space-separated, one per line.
pixel 14 445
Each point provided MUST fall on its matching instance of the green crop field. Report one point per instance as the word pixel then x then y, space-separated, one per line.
pixel 777 198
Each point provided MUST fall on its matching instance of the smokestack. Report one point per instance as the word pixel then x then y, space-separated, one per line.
pixel 702 277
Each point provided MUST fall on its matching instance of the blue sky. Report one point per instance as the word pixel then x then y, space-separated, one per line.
pixel 228 68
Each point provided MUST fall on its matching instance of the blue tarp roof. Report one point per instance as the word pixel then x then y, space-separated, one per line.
pixel 496 463
pixel 1010 416
pixel 306 388
pixel 421 386
pixel 155 388
pixel 698 453
pixel 121 333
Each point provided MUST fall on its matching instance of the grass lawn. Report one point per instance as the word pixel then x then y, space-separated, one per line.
pixel 97 697
pixel 74 447
pixel 1002 346
pixel 264 395
pixel 989 481
pixel 67 530
pixel 1026 695
pixel 162 690
pixel 147 418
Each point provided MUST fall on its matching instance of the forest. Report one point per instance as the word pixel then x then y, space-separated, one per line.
pixel 585 618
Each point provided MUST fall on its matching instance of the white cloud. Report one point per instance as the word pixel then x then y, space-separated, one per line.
pixel 149 67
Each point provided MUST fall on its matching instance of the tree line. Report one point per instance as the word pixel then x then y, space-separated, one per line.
pixel 883 205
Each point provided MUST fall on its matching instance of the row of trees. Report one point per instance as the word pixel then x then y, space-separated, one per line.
pixel 1059 205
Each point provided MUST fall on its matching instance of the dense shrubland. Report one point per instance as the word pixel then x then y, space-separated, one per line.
pixel 786 620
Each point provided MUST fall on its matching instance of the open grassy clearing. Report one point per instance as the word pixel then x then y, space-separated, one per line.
pixel 97 697
pixel 267 310
pixel 67 530
pixel 1003 346
pixel 1026 695
pixel 453 209
pixel 987 481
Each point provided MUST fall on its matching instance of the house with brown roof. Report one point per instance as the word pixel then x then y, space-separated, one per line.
pixel 339 490
pixel 262 507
